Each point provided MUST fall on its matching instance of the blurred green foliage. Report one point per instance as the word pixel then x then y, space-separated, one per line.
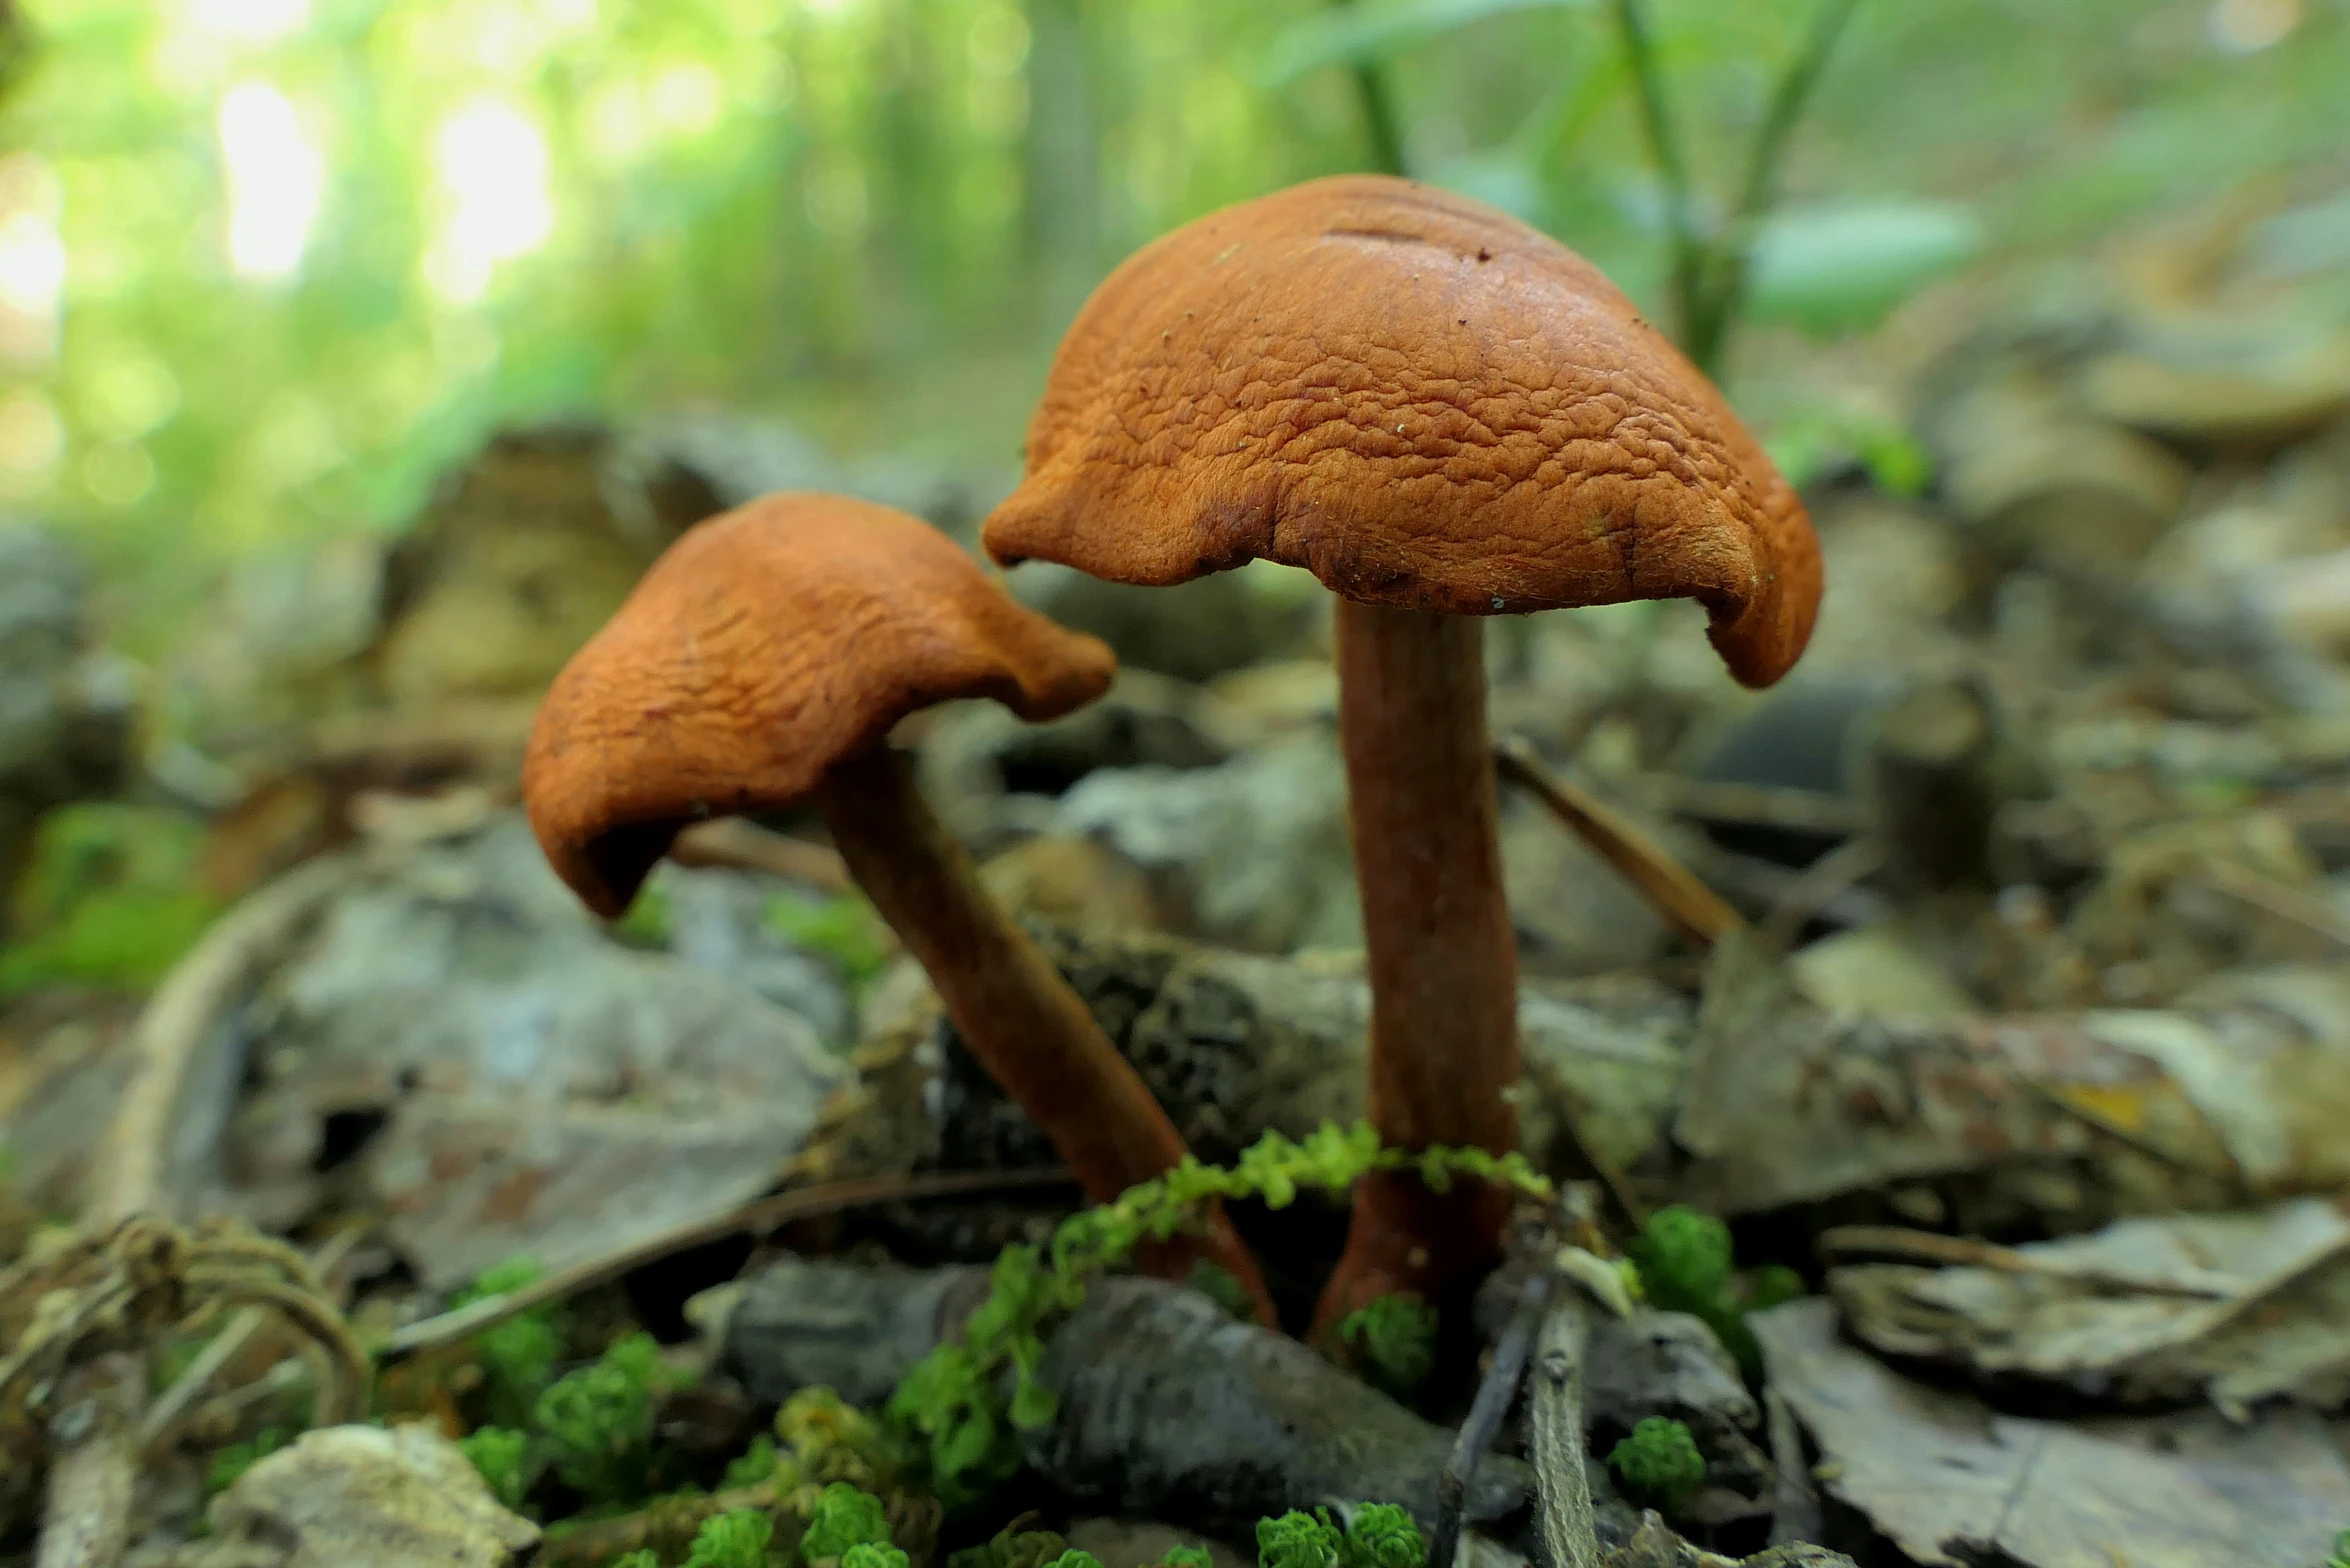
pixel 108 899
pixel 843 927
pixel 273 264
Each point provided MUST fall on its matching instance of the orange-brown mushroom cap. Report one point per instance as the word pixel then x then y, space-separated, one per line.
pixel 765 647
pixel 1424 402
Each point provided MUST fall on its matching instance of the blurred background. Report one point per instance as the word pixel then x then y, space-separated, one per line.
pixel 268 266
pixel 355 355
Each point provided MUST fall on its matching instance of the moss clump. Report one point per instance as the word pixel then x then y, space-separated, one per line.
pixel 1300 1540
pixel 843 1517
pixel 502 1456
pixel 595 1425
pixel 517 1356
pixel 1659 1462
pixel 1382 1535
pixel 1685 1266
pixel 1393 1342
pixel 1013 1549
pixel 735 1539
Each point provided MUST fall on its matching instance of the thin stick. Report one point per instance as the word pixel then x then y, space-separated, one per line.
pixel 1565 1492
pixel 1494 1397
pixel 1695 911
pixel 765 1214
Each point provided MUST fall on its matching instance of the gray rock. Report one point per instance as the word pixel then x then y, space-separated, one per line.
pixel 362 1497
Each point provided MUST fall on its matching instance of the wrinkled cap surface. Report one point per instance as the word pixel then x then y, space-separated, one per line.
pixel 1420 400
pixel 766 646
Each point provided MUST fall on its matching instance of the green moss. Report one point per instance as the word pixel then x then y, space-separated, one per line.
pixel 1072 1558
pixel 1393 1342
pixel 1685 1266
pixel 1187 1557
pixel 596 1424
pixel 867 1554
pixel 501 1454
pixel 735 1539
pixel 843 928
pixel 1382 1535
pixel 1013 1549
pixel 1659 1462
pixel 844 1517
pixel 755 1466
pixel 517 1356
pixel 950 1407
pixel 1300 1540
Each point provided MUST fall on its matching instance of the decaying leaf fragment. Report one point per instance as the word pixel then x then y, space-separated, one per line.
pixel 2233 1096
pixel 1953 1482
pixel 2237 1307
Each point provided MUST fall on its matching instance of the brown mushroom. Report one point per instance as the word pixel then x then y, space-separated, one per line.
pixel 1443 415
pixel 761 663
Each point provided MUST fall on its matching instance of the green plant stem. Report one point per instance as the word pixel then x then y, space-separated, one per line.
pixel 1658 122
pixel 1380 125
pixel 1723 294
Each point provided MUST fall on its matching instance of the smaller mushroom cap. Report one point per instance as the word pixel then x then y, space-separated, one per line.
pixel 766 646
pixel 1421 400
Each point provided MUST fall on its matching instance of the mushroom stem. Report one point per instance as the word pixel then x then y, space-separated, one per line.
pixel 1028 1029
pixel 1443 960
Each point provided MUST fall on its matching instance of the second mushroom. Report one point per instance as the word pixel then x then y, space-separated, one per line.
pixel 1443 415
pixel 761 664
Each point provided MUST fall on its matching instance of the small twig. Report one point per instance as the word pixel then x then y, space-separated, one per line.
pixel 1494 1396
pixel 1691 908
pixel 765 1214
pixel 1795 1503
pixel 734 844
pixel 1564 1491
pixel 1818 886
